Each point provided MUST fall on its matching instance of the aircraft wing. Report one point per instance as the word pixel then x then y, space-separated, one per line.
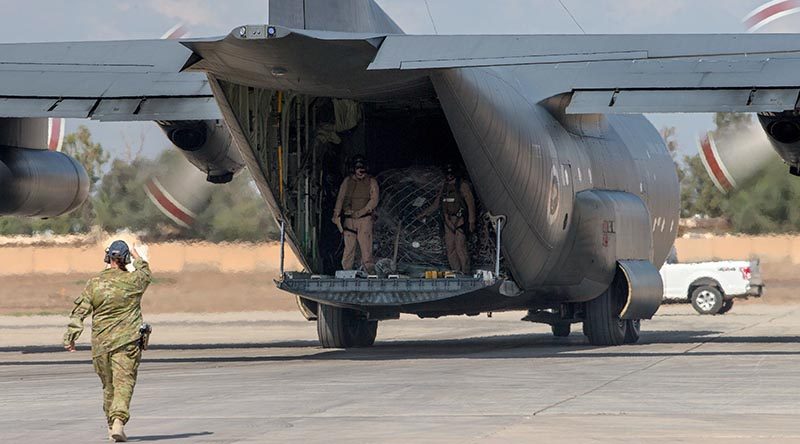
pixel 156 79
pixel 604 73
pixel 624 73
pixel 115 81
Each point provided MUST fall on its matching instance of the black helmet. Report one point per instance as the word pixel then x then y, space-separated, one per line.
pixel 359 161
pixel 118 251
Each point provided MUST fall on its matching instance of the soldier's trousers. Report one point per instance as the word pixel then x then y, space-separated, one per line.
pixel 117 371
pixel 455 241
pixel 357 232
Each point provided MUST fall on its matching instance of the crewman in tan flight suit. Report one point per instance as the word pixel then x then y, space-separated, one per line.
pixel 358 197
pixel 458 213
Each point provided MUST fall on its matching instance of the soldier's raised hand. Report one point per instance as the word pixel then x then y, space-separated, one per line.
pixel 70 347
pixel 140 251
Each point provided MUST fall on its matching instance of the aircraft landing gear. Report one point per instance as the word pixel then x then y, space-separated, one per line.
pixel 603 326
pixel 344 328
pixel 561 329
pixel 632 332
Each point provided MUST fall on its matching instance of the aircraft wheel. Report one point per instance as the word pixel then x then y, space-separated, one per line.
pixel 707 300
pixel 632 331
pixel 726 307
pixel 602 325
pixel 561 330
pixel 344 328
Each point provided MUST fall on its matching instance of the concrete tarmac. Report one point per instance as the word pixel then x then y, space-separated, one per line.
pixel 260 377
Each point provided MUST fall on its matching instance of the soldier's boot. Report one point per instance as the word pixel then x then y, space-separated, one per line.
pixel 118 431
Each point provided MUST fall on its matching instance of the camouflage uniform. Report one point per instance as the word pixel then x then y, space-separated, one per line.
pixel 114 300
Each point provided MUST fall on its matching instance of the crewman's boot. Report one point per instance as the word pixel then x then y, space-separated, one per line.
pixel 118 432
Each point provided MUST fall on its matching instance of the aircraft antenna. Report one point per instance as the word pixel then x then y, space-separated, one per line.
pixel 427 5
pixel 566 9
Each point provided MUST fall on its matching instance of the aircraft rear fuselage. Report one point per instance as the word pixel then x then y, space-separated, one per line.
pixel 583 194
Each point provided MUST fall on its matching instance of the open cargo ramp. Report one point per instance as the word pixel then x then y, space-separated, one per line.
pixel 380 292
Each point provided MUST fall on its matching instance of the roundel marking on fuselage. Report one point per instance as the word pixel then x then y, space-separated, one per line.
pixel 553 195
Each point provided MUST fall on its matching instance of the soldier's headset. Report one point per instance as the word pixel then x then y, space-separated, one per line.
pixel 359 161
pixel 121 252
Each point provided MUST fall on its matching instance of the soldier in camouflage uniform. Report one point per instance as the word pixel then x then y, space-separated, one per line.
pixel 114 300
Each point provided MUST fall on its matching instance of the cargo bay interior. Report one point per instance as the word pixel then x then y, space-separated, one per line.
pixel 304 145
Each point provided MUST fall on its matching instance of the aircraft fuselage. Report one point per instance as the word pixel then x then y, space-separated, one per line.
pixel 534 164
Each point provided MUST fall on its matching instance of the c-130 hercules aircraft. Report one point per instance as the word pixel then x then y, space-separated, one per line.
pixel 549 127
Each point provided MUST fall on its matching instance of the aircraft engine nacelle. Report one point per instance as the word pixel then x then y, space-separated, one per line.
pixel 40 183
pixel 208 145
pixel 783 130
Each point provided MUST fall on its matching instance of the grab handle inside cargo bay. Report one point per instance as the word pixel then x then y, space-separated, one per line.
pixel 498 222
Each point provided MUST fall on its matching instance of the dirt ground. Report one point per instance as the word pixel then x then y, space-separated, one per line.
pixel 782 283
pixel 192 292
pixel 217 292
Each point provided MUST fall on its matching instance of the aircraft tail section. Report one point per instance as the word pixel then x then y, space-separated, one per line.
pixel 332 15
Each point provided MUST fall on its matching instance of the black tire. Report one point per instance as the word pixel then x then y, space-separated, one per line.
pixel 365 333
pixel 343 328
pixel 632 331
pixel 707 300
pixel 726 306
pixel 561 330
pixel 602 325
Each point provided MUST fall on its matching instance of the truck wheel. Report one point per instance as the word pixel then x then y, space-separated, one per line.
pixel 602 325
pixel 344 328
pixel 561 329
pixel 726 306
pixel 632 332
pixel 707 300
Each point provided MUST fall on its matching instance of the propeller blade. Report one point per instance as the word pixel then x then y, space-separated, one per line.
pixel 181 193
pixel 732 157
pixel 55 133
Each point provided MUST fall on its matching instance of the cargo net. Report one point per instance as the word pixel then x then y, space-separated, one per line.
pixel 418 245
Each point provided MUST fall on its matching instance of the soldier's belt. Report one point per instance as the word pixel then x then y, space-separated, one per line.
pixel 357 218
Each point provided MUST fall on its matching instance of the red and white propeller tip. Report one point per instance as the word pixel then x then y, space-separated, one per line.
pixel 55 133
pixel 168 205
pixel 769 12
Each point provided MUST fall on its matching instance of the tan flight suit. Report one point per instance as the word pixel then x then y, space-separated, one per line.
pixel 357 201
pixel 458 207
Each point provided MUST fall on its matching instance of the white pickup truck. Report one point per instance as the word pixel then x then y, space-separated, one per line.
pixel 711 287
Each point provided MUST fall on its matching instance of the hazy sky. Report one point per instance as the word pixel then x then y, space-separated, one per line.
pixel 60 20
